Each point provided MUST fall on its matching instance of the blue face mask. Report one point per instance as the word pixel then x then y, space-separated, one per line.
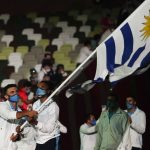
pixel 129 106
pixel 40 92
pixel 93 122
pixel 14 98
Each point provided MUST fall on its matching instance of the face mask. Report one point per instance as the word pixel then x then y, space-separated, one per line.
pixel 40 92
pixel 93 122
pixel 47 70
pixel 28 91
pixel 129 106
pixel 36 79
pixel 14 98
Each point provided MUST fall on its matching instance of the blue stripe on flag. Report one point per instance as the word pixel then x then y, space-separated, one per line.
pixel 128 42
pixel 111 51
pixel 146 60
pixel 98 80
pixel 135 56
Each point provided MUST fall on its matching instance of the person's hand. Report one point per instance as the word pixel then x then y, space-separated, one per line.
pixel 20 103
pixel 32 113
pixel 32 121
pixel 29 107
pixel 130 120
pixel 18 129
pixel 14 137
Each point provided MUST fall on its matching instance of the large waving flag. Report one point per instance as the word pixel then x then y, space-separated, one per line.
pixel 127 48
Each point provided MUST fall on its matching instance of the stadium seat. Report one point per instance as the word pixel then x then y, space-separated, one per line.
pixel 7 39
pixel 82 18
pixel 22 49
pixel 16 77
pixel 28 57
pixel 66 48
pixel 40 20
pixel 58 42
pixel 2 45
pixel 2 32
pixel 86 29
pixel 62 24
pixel 44 43
pixel 5 17
pixel 15 59
pixel 7 50
pixel 53 20
pixel 64 35
pixel 35 37
pixel 70 30
pixel 72 41
pixel 27 31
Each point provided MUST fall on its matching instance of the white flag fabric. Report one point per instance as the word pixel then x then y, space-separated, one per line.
pixel 127 48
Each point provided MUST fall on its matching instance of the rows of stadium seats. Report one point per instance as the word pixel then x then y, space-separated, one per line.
pixel 24 39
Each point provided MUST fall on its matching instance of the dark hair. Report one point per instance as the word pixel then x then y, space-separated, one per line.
pixel 47 54
pixel 59 66
pixel 23 83
pixel 113 96
pixel 87 117
pixel 33 71
pixel 87 42
pixel 46 63
pixel 8 86
pixel 49 85
pixel 132 96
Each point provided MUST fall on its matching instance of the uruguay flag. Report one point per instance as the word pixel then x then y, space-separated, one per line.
pixel 127 48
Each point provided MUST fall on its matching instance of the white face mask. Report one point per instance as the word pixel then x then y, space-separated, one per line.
pixel 48 70
pixel 28 91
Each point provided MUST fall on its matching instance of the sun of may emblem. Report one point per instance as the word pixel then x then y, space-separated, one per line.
pixel 146 28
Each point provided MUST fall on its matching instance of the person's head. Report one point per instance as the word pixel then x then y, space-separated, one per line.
pixel 44 88
pixel 24 85
pixel 130 102
pixel 60 68
pixel 47 56
pixel 46 65
pixel 10 93
pixel 87 43
pixel 112 102
pixel 46 77
pixel 33 71
pixel 90 119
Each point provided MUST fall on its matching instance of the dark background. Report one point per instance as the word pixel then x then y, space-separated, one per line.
pixel 72 110
pixel 23 6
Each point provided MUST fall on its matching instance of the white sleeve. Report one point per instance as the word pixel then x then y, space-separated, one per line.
pixel 63 129
pixel 40 76
pixel 90 130
pixel 6 113
pixel 126 141
pixel 88 52
pixel 139 125
pixel 52 118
